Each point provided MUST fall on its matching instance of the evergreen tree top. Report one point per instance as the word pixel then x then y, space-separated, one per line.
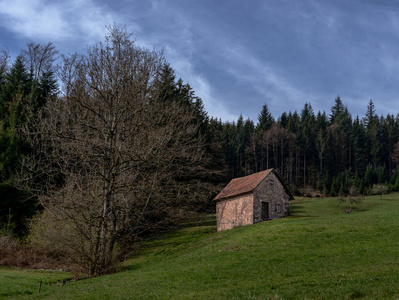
pixel 338 109
pixel 307 113
pixel 371 118
pixel 265 119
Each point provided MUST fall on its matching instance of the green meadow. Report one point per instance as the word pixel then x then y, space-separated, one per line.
pixel 320 252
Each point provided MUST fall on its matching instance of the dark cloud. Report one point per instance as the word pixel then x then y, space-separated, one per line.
pixel 239 55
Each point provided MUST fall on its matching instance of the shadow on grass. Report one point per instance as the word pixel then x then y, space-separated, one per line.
pixel 299 211
pixel 296 209
pixel 171 241
pixel 208 220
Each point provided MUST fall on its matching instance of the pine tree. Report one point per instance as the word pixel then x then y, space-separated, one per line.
pixel 307 138
pixel 358 137
pixel 166 84
pixel 370 118
pixel 371 123
pixel 16 84
pixel 321 121
pixel 337 109
pixel 21 96
pixel 14 99
pixel 265 119
pixel 283 120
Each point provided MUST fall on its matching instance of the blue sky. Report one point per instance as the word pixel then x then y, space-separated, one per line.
pixel 239 55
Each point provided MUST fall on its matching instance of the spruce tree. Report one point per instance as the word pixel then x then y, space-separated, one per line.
pixel 21 97
pixel 14 98
pixel 337 109
pixel 370 118
pixel 265 119
pixel 358 137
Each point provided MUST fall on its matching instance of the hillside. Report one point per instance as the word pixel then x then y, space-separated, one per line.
pixel 318 253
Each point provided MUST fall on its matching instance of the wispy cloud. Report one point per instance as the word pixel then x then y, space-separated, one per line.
pixel 203 89
pixel 53 20
pixel 30 18
pixel 266 82
pixel 179 35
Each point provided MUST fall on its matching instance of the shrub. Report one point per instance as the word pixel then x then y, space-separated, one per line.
pixel 16 254
pixel 60 239
pixel 379 189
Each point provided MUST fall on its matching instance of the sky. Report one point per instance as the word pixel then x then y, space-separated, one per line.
pixel 239 55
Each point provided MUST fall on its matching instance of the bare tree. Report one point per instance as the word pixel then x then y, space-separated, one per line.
pixel 276 135
pixel 4 58
pixel 266 144
pixel 252 148
pixel 40 58
pixel 353 198
pixel 112 159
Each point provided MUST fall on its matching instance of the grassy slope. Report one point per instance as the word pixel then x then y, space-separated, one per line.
pixel 320 253
pixel 14 282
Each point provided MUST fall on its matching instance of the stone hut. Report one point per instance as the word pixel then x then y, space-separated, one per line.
pixel 247 200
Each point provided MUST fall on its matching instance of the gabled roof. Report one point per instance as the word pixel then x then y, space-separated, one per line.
pixel 242 185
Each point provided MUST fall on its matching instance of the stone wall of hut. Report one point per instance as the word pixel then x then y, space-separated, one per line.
pixel 237 211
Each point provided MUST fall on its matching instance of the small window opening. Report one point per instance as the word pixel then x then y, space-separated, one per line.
pixel 277 208
pixel 271 181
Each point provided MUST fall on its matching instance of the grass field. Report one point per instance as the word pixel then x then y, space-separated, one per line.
pixel 318 253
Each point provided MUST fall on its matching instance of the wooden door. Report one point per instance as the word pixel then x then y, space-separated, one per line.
pixel 265 211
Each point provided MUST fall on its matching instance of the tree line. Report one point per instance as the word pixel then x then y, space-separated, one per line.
pixel 103 148
pixel 327 152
